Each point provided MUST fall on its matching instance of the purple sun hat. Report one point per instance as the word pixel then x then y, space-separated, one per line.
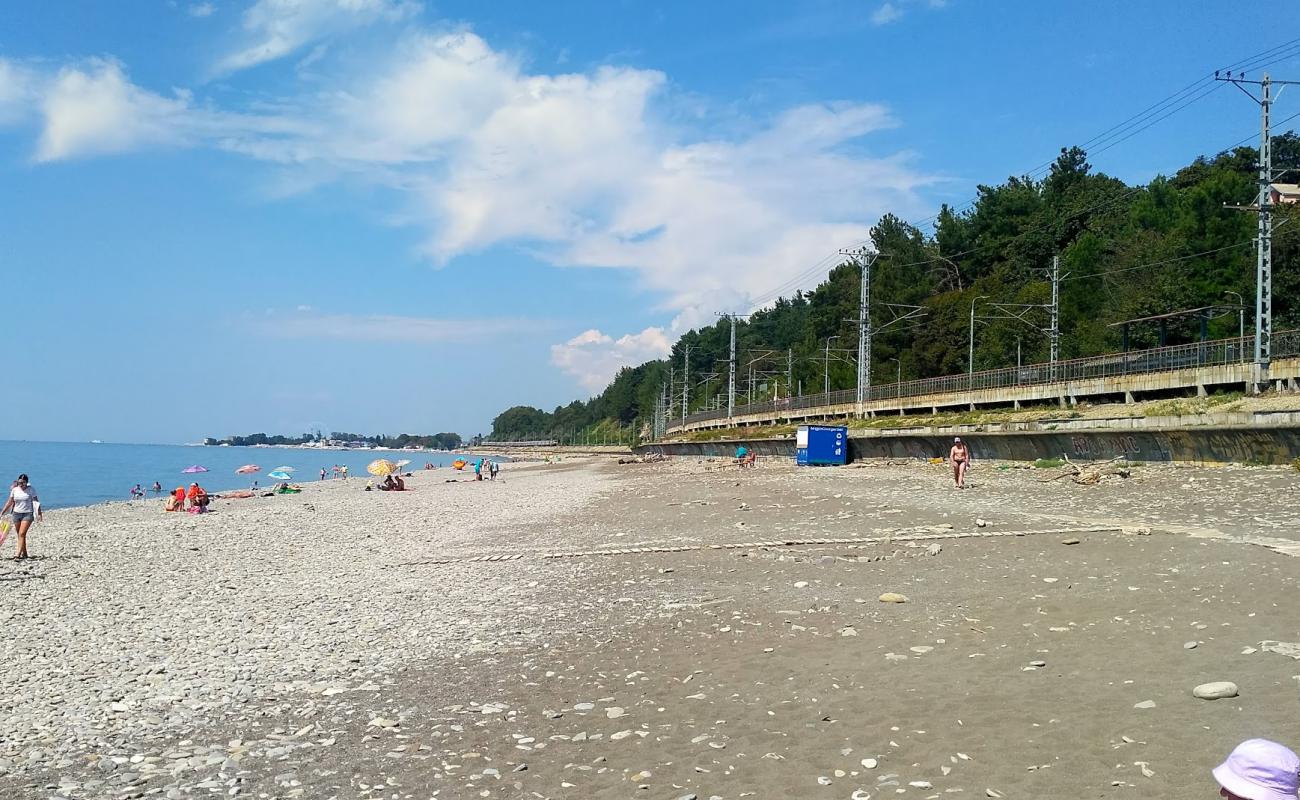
pixel 1258 769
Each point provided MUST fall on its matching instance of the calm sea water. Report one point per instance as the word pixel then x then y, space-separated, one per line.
pixel 77 474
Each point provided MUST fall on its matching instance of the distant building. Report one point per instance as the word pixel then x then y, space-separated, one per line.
pixel 1288 193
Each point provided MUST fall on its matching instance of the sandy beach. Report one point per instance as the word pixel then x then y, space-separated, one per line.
pixel 673 630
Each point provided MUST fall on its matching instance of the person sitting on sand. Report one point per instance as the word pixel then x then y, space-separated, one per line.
pixel 1258 769
pixel 175 500
pixel 399 485
pixel 742 454
pixel 198 498
pixel 959 455
pixel 388 485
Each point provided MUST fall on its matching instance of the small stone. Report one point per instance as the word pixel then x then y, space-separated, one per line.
pixel 1037 663
pixel 824 781
pixel 981 523
pixel 1190 645
pixel 1069 541
pixel 893 597
pixel 614 712
pixel 801 585
pixel 922 649
pixel 869 763
pixel 921 784
pixel 1145 704
pixel 848 632
pixel 1215 690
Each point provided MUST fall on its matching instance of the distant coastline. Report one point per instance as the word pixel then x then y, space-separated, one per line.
pixel 338 440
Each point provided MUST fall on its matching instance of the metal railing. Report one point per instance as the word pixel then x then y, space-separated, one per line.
pixel 1135 362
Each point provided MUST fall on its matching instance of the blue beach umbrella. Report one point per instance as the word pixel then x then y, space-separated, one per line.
pixel 279 475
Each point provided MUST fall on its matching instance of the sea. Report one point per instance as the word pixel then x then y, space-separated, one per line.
pixel 81 474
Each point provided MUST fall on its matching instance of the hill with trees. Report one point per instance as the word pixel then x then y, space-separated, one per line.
pixel 1126 252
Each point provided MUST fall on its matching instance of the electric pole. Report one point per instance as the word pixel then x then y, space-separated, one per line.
pixel 865 261
pixel 686 381
pixel 1054 325
pixel 731 372
pixel 1263 208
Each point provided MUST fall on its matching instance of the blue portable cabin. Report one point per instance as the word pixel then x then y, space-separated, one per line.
pixel 817 445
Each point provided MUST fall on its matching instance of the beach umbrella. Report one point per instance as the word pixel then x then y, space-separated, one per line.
pixel 284 469
pixel 279 475
pixel 380 467
pixel 193 468
pixel 402 462
pixel 248 469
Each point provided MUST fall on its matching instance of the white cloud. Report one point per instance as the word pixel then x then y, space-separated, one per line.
pixel 593 358
pixel 576 167
pixel 17 91
pixel 305 323
pixel 886 14
pixel 201 10
pixel 95 109
pixel 276 28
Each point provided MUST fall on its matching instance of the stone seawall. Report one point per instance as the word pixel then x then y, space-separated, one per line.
pixel 1199 445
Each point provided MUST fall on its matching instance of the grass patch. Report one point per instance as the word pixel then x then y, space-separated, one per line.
pixel 1049 463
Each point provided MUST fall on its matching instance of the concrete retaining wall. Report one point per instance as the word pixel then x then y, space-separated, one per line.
pixel 1191 445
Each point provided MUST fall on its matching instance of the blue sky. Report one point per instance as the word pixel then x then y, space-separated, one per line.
pixel 391 215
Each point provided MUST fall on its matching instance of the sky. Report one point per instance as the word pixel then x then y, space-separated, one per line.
pixel 385 216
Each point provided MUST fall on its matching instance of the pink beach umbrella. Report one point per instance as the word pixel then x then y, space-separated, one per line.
pixel 248 469
pixel 193 468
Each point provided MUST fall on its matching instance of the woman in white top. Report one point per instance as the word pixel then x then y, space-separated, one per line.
pixel 25 506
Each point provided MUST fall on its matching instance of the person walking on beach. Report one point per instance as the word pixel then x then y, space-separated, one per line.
pixel 344 470
pixel 322 473
pixel 959 455
pixel 26 507
pixel 1258 769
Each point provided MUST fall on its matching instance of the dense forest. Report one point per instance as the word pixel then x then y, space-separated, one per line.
pixel 437 441
pixel 1126 252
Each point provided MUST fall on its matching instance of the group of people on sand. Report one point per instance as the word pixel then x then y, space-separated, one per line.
pixel 195 500
pixel 486 465
pixel 745 457
pixel 137 491
pixel 392 483
pixel 336 471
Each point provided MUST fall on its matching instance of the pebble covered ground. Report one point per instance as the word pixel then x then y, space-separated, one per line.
pixel 312 646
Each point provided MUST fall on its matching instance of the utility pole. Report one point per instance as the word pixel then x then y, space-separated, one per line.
pixel 1054 326
pixel 668 394
pixel 865 261
pixel 826 369
pixel 731 372
pixel 789 372
pixel 686 381
pixel 1263 208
